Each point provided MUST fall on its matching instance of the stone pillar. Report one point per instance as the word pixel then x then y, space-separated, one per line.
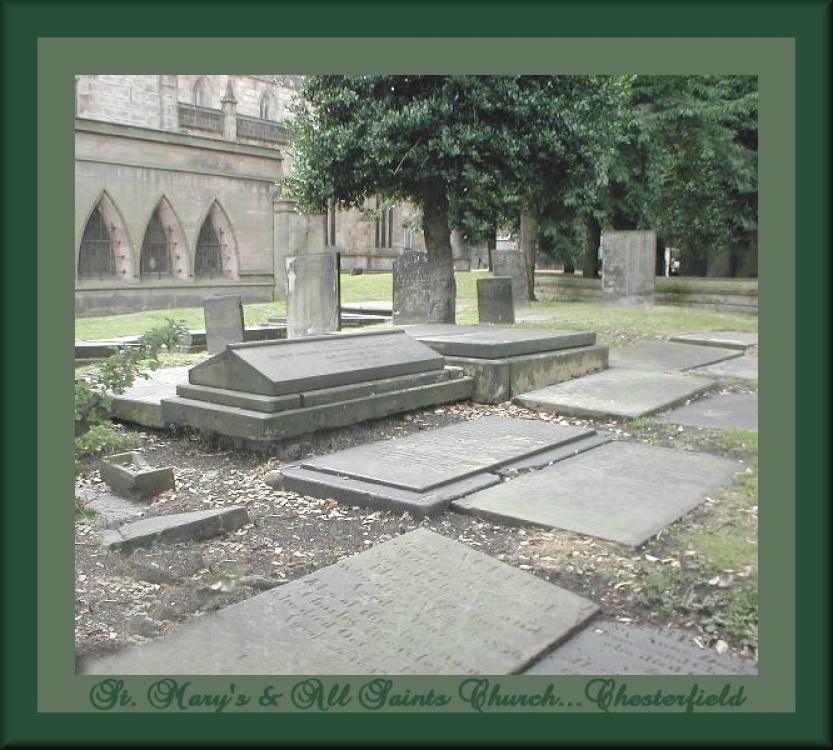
pixel 411 288
pixel 511 263
pixel 628 266
pixel 168 103
pixel 312 304
pixel 494 300
pixel 229 113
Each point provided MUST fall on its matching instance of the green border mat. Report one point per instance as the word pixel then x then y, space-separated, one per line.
pixel 45 44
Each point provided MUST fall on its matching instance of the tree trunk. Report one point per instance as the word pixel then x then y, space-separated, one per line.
pixel 491 244
pixel 443 293
pixel 590 268
pixel 528 246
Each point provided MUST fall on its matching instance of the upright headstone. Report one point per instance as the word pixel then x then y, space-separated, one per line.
pixel 494 300
pixel 223 322
pixel 411 288
pixel 511 263
pixel 629 261
pixel 311 295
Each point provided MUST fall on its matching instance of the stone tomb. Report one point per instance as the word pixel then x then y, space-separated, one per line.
pixel 223 322
pixel 622 492
pixel 506 361
pixel 272 390
pixel 424 472
pixel 420 604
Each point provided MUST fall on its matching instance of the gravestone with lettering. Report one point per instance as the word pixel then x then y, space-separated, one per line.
pixel 223 322
pixel 311 295
pixel 411 288
pixel 511 263
pixel 629 267
pixel 494 300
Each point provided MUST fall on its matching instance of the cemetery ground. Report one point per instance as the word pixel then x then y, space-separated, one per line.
pixel 698 574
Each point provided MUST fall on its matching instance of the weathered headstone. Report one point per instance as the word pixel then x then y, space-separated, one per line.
pixel 629 267
pixel 311 295
pixel 494 300
pixel 411 288
pixel 420 604
pixel 223 322
pixel 511 263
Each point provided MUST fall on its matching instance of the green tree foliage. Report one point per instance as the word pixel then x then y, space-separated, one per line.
pixel 462 148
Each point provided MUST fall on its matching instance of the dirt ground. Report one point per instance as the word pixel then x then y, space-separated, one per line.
pixel 122 599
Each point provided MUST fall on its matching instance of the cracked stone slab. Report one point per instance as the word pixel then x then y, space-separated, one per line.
pixel 744 368
pixel 418 604
pixel 723 411
pixel 619 393
pixel 622 492
pixel 608 647
pixel 178 527
pixel 667 356
pixel 742 340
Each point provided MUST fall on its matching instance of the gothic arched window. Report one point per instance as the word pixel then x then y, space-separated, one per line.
pixel 209 257
pixel 96 258
pixel 202 96
pixel 156 249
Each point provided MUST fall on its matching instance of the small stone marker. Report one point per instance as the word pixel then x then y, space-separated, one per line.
pixel 623 492
pixel 668 356
pixel 311 295
pixel 629 268
pixel 494 300
pixel 511 263
pixel 129 475
pixel 422 473
pixel 179 527
pixel 223 322
pixel 723 411
pixel 420 604
pixel 615 393
pixel 411 288
pixel 606 647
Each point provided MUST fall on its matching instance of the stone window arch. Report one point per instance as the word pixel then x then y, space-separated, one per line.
pixel 202 92
pixel 215 254
pixel 268 106
pixel 156 249
pixel 96 258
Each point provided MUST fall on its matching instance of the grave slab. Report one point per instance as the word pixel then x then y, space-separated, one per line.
pixel 311 294
pixel 427 460
pixel 494 300
pixel 411 287
pixel 743 368
pixel 723 411
pixel 496 342
pixel 277 368
pixel 628 268
pixel 622 492
pixel 178 527
pixel 511 263
pixel 223 322
pixel 668 356
pixel 606 647
pixel 141 403
pixel 620 393
pixel 742 340
pixel 418 604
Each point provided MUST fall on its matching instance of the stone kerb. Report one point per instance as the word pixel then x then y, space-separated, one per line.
pixel 411 288
pixel 311 295
pixel 629 268
pixel 495 303
pixel 223 322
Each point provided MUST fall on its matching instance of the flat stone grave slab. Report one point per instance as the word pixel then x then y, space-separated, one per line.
pixel 377 309
pixel 609 647
pixel 278 368
pixel 622 393
pixel 111 510
pixel 494 342
pixel 667 356
pixel 723 411
pixel 177 527
pixel 418 604
pixel 742 340
pixel 142 402
pixel 423 472
pixel 743 368
pixel 622 492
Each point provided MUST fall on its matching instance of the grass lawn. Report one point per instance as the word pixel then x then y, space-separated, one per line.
pixel 612 325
